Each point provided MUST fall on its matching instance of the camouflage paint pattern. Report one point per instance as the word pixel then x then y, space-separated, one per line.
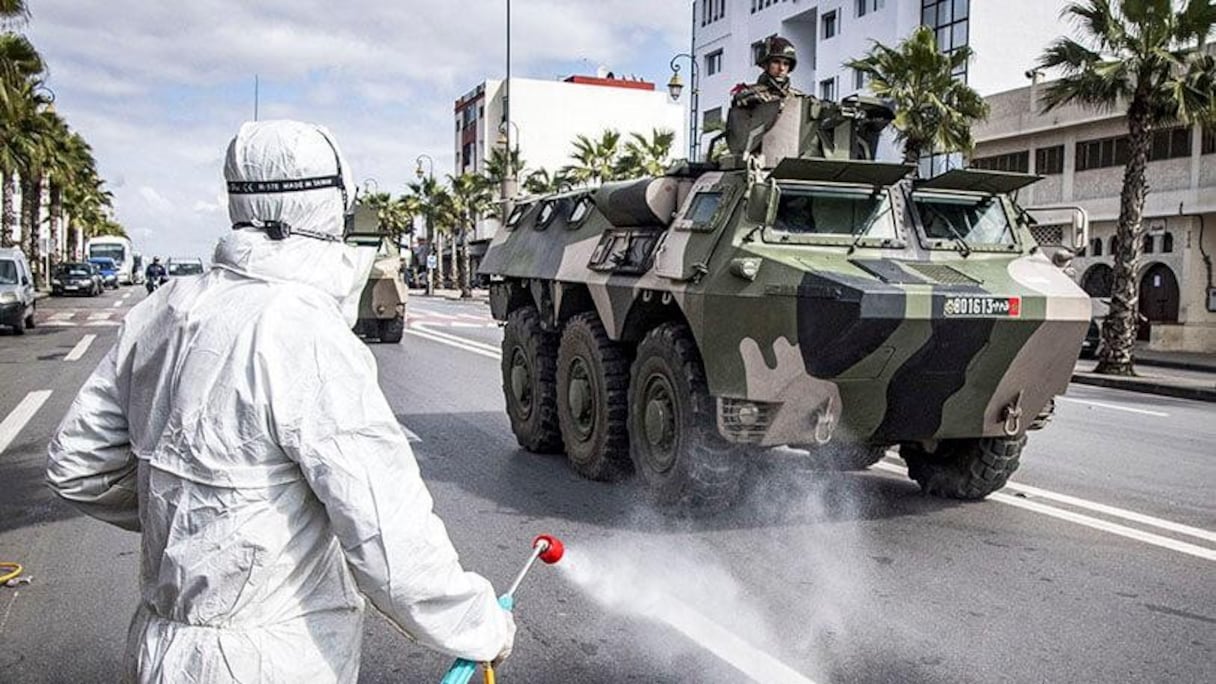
pixel 865 341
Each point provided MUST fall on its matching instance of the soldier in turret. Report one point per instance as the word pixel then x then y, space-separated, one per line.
pixel 778 63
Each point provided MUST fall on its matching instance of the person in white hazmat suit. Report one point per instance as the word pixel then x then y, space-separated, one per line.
pixel 238 425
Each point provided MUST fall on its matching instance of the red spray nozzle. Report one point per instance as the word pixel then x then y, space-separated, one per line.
pixel 551 548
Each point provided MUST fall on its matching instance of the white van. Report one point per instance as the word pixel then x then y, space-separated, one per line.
pixel 16 291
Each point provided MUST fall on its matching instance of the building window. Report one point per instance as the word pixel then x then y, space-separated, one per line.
pixel 827 89
pixel 1170 143
pixel 830 24
pixel 1014 161
pixel 1209 141
pixel 711 120
pixel 713 10
pixel 1099 154
pixel 1148 244
pixel 1095 247
pixel 1167 243
pixel 1114 245
pixel 713 62
pixel 758 5
pixel 867 6
pixel 1049 161
pixel 859 79
pixel 950 21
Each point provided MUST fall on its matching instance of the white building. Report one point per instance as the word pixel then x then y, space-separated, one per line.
pixel 547 115
pixel 728 35
pixel 1081 154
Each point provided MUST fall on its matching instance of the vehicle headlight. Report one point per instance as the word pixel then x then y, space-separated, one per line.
pixel 8 297
pixel 56 281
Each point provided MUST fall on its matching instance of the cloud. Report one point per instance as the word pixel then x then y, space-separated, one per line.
pixel 158 88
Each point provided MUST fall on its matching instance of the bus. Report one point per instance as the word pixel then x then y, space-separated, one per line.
pixel 117 248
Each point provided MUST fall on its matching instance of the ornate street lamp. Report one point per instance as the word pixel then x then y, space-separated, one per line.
pixel 675 86
pixel 430 238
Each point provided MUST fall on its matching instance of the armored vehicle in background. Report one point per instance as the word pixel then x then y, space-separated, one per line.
pixel 382 304
pixel 795 292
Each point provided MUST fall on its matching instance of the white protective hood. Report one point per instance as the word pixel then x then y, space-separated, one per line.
pixel 239 426
pixel 290 150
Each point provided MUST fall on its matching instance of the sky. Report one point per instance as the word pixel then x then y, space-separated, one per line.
pixel 159 88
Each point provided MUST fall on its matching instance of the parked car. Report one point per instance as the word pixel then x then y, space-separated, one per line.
pixel 77 278
pixel 109 270
pixel 16 291
pixel 184 267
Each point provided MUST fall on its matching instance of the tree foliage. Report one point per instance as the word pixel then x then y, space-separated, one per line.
pixel 1147 59
pixel 934 111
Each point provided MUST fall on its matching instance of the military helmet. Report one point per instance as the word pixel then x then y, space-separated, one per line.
pixel 776 46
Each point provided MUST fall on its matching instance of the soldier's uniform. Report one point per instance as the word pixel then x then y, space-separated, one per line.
pixel 767 88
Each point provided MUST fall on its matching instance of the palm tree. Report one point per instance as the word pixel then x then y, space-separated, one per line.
pixel 20 98
pixel 933 110
pixel 1146 58
pixel 646 156
pixel 596 160
pixel 470 198
pixel 541 182
pixel 496 165
pixel 433 200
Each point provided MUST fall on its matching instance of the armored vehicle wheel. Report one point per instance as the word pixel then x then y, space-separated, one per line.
pixel 842 456
pixel 673 437
pixel 391 329
pixel 592 399
pixel 964 468
pixel 529 368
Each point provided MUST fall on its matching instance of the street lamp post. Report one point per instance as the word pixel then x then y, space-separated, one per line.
pixel 675 86
pixel 430 238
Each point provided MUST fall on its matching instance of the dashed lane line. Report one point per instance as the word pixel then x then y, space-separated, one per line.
pixel 81 347
pixel 1115 407
pixel 117 304
pixel 21 415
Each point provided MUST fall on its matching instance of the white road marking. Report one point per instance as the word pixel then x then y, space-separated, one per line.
pixel 103 316
pixel 1085 520
pixel 60 324
pixel 1115 512
pixel 81 347
pixel 1077 518
pixel 102 324
pixel 1116 407
pixel 463 324
pixel 126 294
pixel 20 416
pixel 117 304
pixel 435 337
pixel 456 339
pixel 62 315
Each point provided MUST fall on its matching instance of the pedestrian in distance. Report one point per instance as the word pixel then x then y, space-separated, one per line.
pixel 237 424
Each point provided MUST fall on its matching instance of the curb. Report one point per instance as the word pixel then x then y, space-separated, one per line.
pixel 1176 365
pixel 1146 386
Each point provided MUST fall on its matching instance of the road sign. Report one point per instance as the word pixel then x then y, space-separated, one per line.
pixel 431 262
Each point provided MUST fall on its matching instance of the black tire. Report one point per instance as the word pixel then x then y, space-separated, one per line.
pixel 29 317
pixel 529 381
pixel 964 468
pixel 19 325
pixel 843 456
pixel 391 330
pixel 673 438
pixel 593 400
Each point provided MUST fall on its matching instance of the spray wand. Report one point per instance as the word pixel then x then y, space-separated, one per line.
pixel 545 547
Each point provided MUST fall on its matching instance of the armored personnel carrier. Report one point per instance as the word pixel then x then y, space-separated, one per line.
pixel 794 292
pixel 383 301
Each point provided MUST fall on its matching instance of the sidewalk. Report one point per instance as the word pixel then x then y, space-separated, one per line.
pixel 1195 380
pixel 479 295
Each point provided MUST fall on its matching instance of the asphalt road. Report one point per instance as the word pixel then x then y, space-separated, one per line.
pixel 1097 565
